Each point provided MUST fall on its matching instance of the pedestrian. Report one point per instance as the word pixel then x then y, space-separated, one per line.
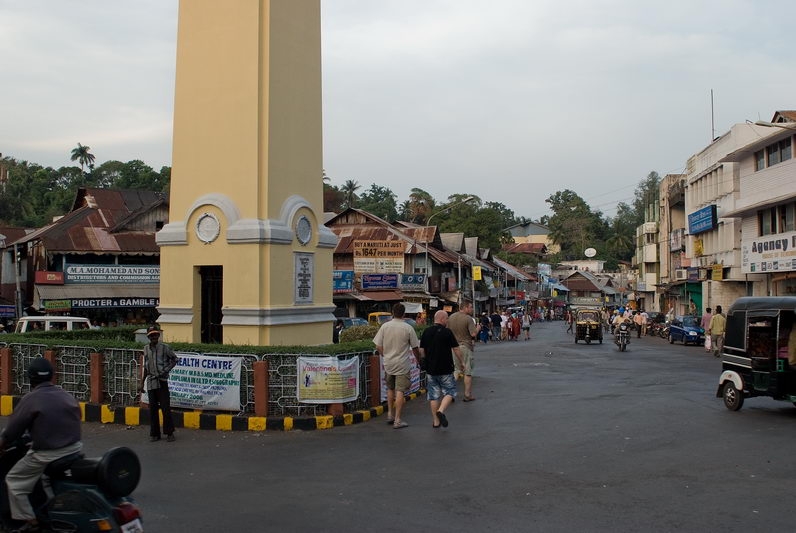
pixel 570 321
pixel 394 341
pixel 464 329
pixel 338 328
pixel 159 359
pixel 52 417
pixel 437 347
pixel 486 327
pixel 504 325
pixel 716 330
pixel 495 319
pixel 526 326
pixel 705 323
pixel 638 321
pixel 645 320
pixel 515 327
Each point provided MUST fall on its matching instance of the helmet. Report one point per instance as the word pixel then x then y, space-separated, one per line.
pixel 40 370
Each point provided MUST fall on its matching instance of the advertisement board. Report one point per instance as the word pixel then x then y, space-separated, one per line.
pixel 379 281
pixel 379 256
pixel 342 281
pixel 113 274
pixel 327 379
pixel 770 253
pixel 702 220
pixel 205 382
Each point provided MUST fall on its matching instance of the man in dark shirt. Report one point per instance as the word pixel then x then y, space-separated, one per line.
pixel 159 359
pixel 436 347
pixel 52 416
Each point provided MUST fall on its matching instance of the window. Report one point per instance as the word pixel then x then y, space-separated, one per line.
pixel 760 160
pixel 777 219
pixel 774 154
pixel 764 219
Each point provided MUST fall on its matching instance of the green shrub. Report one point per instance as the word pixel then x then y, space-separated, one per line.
pixel 359 333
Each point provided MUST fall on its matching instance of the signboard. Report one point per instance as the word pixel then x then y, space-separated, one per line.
pixel 7 311
pixel 342 281
pixel 717 273
pixel 115 274
pixel 476 273
pixel 585 300
pixel 379 281
pixel 304 270
pixel 413 282
pixel 704 219
pixel 693 274
pixel 379 256
pixel 111 302
pixel 205 382
pixel 43 277
pixel 327 379
pixel 676 240
pixel 771 253
pixel 57 305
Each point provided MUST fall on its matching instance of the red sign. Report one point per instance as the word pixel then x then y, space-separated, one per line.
pixel 49 278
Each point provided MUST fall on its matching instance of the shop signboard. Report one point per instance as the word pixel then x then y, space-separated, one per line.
pixel 379 281
pixel 46 277
pixel 770 253
pixel 7 311
pixel 342 281
pixel 413 282
pixel 702 220
pixel 112 274
pixel 115 302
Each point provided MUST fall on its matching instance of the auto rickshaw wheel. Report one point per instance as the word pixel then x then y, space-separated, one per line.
pixel 733 398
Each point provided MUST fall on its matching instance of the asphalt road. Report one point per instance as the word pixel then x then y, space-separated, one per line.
pixel 563 437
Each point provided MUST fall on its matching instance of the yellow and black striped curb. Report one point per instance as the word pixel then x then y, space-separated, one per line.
pixel 137 416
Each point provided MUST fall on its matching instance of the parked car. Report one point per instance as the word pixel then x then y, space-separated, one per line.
pixel 686 329
pixel 350 322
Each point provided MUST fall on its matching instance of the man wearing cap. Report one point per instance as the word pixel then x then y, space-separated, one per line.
pixel 52 416
pixel 159 359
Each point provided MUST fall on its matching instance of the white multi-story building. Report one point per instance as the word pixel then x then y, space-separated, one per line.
pixel 672 270
pixel 713 243
pixel 766 206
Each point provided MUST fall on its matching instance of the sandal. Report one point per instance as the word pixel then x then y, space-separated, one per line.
pixel 469 399
pixel 399 425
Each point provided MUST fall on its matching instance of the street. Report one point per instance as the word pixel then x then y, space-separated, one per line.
pixel 562 437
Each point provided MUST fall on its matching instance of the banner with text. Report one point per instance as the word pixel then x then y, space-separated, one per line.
pixel 327 379
pixel 414 377
pixel 205 382
pixel 115 274
pixel 379 256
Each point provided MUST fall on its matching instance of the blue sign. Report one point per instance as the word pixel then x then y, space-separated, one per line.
pixel 379 281
pixel 8 311
pixel 413 282
pixel 342 280
pixel 702 220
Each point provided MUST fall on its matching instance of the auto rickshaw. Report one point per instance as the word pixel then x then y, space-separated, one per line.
pixel 588 326
pixel 759 353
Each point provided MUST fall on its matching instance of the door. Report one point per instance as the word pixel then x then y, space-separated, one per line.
pixel 212 279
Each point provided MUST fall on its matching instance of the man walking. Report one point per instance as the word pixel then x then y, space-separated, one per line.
pixel 159 359
pixel 495 319
pixel 394 341
pixel 716 329
pixel 464 329
pixel 436 346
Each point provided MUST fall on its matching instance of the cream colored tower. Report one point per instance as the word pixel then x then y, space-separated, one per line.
pixel 245 258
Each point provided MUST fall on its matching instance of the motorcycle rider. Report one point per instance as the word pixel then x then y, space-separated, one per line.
pixel 52 416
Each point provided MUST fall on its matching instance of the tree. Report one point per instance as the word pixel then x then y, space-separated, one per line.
pixel 380 201
pixel 421 206
pixel 573 225
pixel 349 190
pixel 82 155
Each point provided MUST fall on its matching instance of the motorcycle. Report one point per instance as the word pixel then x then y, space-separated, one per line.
pixel 622 336
pixel 80 494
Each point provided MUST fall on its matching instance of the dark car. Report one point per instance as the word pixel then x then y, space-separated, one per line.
pixel 686 329
pixel 349 322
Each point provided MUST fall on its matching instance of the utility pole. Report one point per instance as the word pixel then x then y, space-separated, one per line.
pixel 18 292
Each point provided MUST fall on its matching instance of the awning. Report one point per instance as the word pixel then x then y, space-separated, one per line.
pixel 382 296
pixel 98 295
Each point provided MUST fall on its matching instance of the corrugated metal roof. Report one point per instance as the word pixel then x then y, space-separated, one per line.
pixel 97 224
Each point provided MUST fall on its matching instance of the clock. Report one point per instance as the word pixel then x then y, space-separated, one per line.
pixel 303 230
pixel 207 228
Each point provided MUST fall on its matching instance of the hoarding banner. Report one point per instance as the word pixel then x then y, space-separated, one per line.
pixel 206 382
pixel 327 379
pixel 379 256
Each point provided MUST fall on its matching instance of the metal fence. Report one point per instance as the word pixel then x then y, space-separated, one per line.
pixel 121 370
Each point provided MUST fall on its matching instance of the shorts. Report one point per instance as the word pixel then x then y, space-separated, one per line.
pixel 467 356
pixel 398 383
pixel 439 386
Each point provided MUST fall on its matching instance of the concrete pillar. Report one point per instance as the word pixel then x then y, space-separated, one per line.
pixel 374 373
pixel 6 372
pixel 96 378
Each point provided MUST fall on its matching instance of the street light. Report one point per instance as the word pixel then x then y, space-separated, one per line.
pixel 468 199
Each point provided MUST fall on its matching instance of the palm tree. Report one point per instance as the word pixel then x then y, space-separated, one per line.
pixel 82 155
pixel 349 190
pixel 422 205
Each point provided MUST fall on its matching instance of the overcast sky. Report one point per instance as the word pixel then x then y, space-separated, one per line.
pixel 511 100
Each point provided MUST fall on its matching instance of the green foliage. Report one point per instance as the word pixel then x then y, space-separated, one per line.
pixel 379 201
pixel 359 333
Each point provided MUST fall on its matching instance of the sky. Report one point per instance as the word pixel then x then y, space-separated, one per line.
pixel 510 100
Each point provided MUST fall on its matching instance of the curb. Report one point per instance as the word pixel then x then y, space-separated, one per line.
pixel 138 416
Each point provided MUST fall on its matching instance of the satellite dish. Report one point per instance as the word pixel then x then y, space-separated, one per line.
pixel 590 252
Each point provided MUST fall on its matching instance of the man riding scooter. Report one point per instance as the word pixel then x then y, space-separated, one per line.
pixel 52 416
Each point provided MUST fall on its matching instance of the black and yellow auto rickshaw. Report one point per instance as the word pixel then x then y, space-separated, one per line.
pixel 588 326
pixel 759 353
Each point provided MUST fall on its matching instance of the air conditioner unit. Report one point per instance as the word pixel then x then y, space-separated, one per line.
pixel 680 274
